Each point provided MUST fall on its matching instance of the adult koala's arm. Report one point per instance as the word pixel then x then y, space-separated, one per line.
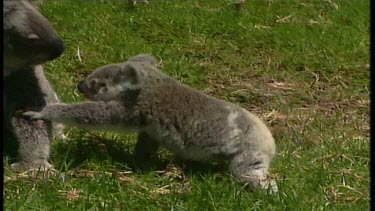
pixel 89 115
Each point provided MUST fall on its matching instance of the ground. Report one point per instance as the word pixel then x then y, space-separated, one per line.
pixel 302 66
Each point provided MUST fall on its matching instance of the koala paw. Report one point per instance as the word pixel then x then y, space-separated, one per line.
pixel 269 185
pixel 61 137
pixel 139 1
pixel 34 115
pixel 42 171
pixel 23 166
pixel 266 185
pixel 58 131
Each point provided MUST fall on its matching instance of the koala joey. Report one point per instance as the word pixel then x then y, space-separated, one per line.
pixel 136 96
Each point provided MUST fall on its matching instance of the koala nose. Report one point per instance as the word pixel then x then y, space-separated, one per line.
pixel 80 86
pixel 56 48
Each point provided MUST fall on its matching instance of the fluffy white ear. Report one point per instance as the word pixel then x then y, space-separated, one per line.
pixel 132 74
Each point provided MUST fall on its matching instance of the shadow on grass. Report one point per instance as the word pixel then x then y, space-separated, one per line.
pixel 75 152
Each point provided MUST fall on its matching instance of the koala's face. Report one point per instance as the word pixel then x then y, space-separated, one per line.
pixel 96 86
pixel 111 82
pixel 29 38
pixel 114 81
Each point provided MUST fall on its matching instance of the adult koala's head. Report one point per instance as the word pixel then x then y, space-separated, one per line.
pixel 113 81
pixel 29 38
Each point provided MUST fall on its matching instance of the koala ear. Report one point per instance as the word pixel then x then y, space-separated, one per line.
pixel 144 58
pixel 132 74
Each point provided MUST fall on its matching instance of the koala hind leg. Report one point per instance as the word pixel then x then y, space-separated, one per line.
pixel 34 144
pixel 146 147
pixel 253 168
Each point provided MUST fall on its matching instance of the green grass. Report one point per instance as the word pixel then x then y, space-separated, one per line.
pixel 302 66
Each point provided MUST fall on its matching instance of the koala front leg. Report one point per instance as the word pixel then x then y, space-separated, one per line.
pixel 89 115
pixel 146 147
pixel 34 144
pixel 253 168
pixel 50 97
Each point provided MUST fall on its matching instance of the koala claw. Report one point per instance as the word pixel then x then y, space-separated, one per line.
pixel 61 137
pixel 42 170
pixel 269 185
pixel 22 166
pixel 32 115
pixel 140 1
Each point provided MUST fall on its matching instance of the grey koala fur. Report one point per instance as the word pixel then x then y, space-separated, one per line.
pixel 135 95
pixel 29 41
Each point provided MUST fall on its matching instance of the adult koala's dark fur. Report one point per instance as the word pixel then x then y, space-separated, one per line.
pixel 29 41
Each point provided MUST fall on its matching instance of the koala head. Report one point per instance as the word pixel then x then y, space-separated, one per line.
pixel 113 81
pixel 29 38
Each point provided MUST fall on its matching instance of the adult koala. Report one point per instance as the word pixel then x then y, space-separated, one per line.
pixel 29 41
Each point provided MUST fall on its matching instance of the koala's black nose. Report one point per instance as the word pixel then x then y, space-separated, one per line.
pixel 80 86
pixel 56 48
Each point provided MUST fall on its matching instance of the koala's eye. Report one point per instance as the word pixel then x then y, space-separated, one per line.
pixel 97 85
pixel 100 85
pixel 93 84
